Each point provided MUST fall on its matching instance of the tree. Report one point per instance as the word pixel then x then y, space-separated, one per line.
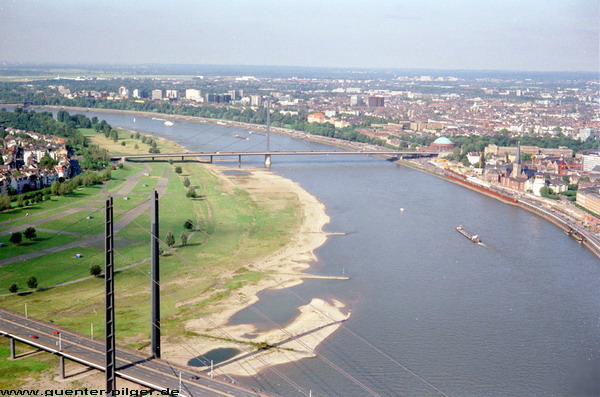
pixel 178 170
pixel 170 239
pixel 16 238
pixel 5 203
pixel 95 270
pixel 189 225
pixel 32 282
pixel 191 193
pixel 13 288
pixel 29 233
pixel 55 187
pixel 47 161
pixel 20 201
pixel 186 182
pixel 184 238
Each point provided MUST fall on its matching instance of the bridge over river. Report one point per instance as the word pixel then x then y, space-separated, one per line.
pixel 390 154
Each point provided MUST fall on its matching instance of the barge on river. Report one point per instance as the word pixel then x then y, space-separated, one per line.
pixel 473 237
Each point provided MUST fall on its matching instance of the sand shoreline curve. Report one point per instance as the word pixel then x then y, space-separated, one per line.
pixel 284 268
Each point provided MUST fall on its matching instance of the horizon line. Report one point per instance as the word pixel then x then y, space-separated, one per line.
pixel 366 68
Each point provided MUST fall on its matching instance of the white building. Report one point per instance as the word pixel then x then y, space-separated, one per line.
pixel 123 92
pixel 193 95
pixel 157 94
pixel 591 161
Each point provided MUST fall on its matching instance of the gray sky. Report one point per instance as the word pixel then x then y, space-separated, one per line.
pixel 544 35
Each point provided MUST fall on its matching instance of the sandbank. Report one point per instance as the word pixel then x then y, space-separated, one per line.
pixel 284 268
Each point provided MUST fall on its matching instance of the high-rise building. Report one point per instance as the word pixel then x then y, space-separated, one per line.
pixel 356 100
pixel 171 94
pixel 136 93
pixel 193 95
pixel 236 95
pixel 157 94
pixel 376 101
pixel 591 162
pixel 123 92
pixel 256 100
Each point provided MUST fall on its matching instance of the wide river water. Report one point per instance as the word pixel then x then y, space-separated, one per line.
pixel 518 316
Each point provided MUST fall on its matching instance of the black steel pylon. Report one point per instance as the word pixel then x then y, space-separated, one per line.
pixel 109 330
pixel 155 279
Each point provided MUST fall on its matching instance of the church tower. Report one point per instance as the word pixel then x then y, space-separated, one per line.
pixel 517 166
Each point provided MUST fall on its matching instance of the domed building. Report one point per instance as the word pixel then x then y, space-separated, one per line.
pixel 442 144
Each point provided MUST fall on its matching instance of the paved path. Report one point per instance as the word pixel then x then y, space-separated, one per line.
pixel 127 218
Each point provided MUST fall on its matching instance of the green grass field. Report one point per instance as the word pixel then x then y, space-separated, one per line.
pixel 232 228
pixel 12 373
pixel 42 241
pixel 130 143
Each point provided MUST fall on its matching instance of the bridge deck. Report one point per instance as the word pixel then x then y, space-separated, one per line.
pixel 277 153
pixel 131 365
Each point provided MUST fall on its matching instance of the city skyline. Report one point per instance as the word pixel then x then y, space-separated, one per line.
pixel 538 36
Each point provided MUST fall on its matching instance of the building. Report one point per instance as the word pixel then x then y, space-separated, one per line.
pixel 316 118
pixel 193 95
pixel 585 133
pixel 157 94
pixel 172 94
pixel 536 184
pixel 591 162
pixel 218 98
pixel 589 198
pixel 123 92
pixel 376 101
pixel 442 144
pixel 256 100
pixel 356 100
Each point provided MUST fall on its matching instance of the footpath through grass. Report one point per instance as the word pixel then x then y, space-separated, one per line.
pixel 231 228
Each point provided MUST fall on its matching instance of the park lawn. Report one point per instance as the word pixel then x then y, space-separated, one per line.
pixel 53 268
pixel 193 276
pixel 78 222
pixel 42 241
pixel 117 148
pixel 145 185
pixel 120 175
pixel 14 372
pixel 57 204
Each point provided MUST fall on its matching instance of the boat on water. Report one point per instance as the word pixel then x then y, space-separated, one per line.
pixel 241 137
pixel 169 123
pixel 156 118
pixel 473 237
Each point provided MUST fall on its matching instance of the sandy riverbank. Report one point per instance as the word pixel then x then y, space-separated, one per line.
pixel 284 268
pixel 317 319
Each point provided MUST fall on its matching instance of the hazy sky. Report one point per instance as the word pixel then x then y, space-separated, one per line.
pixel 545 35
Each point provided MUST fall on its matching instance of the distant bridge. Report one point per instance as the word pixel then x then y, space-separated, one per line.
pixel 267 154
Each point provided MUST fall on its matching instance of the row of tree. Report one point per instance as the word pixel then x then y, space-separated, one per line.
pixel 32 283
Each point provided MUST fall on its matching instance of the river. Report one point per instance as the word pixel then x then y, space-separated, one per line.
pixel 518 316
